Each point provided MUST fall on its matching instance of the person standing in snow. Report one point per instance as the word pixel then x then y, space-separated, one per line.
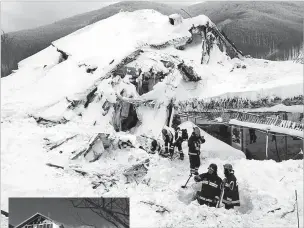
pixel 178 142
pixel 211 187
pixel 168 139
pixel 194 144
pixel 231 194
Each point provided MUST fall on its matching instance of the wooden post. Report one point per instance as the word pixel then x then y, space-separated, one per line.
pixel 244 139
pixel 267 145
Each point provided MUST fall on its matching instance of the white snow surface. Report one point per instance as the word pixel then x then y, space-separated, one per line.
pixel 4 221
pixel 43 91
pixel 221 150
pixel 260 185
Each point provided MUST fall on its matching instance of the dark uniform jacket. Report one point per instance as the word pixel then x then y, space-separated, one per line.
pixel 231 193
pixel 211 189
pixel 194 144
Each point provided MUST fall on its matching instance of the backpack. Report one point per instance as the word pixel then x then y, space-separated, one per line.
pixel 184 134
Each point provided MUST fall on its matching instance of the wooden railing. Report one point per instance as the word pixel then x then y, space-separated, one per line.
pixel 226 116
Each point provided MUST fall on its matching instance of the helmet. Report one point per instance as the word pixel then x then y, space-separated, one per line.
pixel 164 131
pixel 197 131
pixel 213 166
pixel 154 143
pixel 178 128
pixel 228 166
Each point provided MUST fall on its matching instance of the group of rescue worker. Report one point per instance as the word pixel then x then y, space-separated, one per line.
pixel 212 184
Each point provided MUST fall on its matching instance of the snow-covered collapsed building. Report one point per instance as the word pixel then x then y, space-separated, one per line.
pixel 134 72
pixel 121 73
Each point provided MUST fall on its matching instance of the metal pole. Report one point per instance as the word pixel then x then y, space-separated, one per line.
pixel 297 209
pixel 267 145
pixel 286 146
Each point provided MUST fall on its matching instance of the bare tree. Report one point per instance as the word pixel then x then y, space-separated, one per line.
pixel 114 210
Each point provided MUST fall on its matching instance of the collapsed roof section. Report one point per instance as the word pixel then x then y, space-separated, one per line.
pixel 120 75
pixel 131 33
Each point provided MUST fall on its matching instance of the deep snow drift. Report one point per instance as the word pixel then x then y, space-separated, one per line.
pixel 66 103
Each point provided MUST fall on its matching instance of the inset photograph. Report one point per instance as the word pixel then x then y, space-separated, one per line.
pixel 69 212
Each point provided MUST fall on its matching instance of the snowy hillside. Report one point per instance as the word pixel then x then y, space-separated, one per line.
pixel 80 115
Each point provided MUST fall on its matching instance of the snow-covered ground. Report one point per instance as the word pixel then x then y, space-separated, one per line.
pixel 24 173
pixel 45 88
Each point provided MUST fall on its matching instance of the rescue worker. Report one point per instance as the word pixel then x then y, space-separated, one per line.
pixel 155 147
pixel 194 144
pixel 231 191
pixel 168 139
pixel 178 142
pixel 211 187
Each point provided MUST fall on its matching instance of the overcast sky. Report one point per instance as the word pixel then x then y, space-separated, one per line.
pixel 24 14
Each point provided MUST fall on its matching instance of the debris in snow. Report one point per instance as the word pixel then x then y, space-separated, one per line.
pixel 56 166
pixel 188 72
pixel 274 210
pixel 53 145
pixel 125 61
pixel 98 179
pixel 137 171
pixel 95 148
pixel 49 123
pixel 175 19
pixel 160 209
pixel 90 97
pixel 63 55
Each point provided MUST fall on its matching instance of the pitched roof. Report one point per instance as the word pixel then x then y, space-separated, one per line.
pixel 33 218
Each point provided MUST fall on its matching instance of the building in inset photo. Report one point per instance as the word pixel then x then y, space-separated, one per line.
pixel 69 212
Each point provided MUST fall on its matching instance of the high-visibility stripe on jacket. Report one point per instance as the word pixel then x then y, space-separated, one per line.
pixel 194 144
pixel 231 194
pixel 211 186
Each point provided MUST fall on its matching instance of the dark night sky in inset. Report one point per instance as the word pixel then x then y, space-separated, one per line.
pixel 58 209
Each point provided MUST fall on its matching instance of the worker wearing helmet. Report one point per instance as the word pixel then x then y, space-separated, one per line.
pixel 211 187
pixel 168 139
pixel 194 144
pixel 231 193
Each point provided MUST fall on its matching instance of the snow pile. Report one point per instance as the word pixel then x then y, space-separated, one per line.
pixel 52 98
pixel 264 185
pixel 4 221
pixel 260 192
pixel 214 148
